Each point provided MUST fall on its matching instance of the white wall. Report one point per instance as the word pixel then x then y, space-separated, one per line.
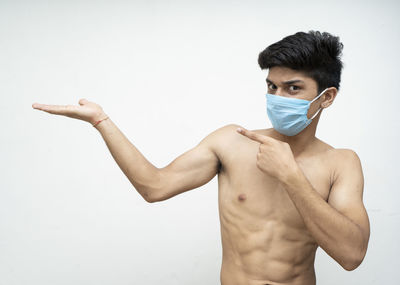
pixel 168 73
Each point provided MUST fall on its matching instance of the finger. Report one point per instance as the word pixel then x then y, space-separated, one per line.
pixel 54 109
pixel 83 101
pixel 253 136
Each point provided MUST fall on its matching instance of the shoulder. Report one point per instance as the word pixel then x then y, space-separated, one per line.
pixel 225 140
pixel 344 155
pixel 346 163
pixel 223 132
pixel 221 137
pixel 338 155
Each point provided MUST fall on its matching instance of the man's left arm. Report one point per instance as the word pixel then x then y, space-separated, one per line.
pixel 341 226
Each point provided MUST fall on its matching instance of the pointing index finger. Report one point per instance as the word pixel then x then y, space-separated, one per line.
pixel 252 135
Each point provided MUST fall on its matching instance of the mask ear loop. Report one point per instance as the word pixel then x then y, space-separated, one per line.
pixel 318 96
pixel 316 113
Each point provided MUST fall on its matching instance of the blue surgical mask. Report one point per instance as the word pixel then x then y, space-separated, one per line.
pixel 289 115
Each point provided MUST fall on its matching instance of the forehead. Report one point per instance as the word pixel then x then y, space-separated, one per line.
pixel 279 74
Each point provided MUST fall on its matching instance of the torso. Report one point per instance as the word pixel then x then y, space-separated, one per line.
pixel 264 238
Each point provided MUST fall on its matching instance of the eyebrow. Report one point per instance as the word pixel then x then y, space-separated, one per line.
pixel 287 82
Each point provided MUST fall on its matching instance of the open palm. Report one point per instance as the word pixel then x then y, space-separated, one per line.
pixel 85 111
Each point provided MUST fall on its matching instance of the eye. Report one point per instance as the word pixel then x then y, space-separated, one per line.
pixel 271 86
pixel 295 88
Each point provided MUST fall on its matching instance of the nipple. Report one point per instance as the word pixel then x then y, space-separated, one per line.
pixel 242 197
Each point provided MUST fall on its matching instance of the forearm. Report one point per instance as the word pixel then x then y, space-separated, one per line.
pixel 334 232
pixel 143 175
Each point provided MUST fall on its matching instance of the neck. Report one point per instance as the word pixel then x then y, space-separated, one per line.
pixel 300 142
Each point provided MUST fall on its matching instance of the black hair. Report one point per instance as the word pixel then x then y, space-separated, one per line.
pixel 315 54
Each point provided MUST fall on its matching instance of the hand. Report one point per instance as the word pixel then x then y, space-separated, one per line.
pixel 86 111
pixel 274 157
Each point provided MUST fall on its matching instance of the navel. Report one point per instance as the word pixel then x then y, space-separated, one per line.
pixel 242 197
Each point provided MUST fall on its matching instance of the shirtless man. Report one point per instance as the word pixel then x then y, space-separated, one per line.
pixel 282 191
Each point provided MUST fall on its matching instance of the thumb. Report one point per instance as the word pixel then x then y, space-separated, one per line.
pixel 83 101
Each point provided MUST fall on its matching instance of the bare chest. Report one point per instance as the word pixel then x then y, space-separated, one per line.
pixel 251 198
pixel 263 235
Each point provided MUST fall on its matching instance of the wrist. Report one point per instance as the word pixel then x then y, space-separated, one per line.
pixel 292 176
pixel 99 119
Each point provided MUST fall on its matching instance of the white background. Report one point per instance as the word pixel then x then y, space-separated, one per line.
pixel 168 73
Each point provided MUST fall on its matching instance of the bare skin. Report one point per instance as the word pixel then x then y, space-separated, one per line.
pixel 279 197
pixel 264 238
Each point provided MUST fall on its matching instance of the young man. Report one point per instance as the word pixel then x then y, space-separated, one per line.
pixel 282 191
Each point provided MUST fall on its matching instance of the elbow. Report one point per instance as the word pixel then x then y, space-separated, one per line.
pixel 146 194
pixel 149 200
pixel 354 262
pixel 351 266
pixel 152 194
pixel 149 197
pixel 356 255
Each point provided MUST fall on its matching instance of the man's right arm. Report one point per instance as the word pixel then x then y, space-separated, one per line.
pixel 190 170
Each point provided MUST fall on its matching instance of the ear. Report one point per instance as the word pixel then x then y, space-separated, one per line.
pixel 328 97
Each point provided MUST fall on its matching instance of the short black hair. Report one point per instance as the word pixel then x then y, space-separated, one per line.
pixel 315 54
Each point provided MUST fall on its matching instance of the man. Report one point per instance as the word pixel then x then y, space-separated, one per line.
pixel 282 191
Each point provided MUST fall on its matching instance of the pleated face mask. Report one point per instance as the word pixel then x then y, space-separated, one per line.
pixel 289 115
